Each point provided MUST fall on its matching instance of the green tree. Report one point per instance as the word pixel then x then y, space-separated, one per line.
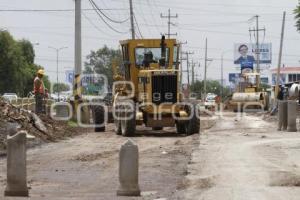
pixel 212 86
pixel 60 87
pixel 297 16
pixel 17 68
pixel 100 61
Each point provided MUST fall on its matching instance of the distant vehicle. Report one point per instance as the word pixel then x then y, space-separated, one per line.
pixel 63 96
pixel 210 100
pixel 10 96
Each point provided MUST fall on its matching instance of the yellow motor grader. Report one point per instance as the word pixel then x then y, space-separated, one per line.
pixel 146 89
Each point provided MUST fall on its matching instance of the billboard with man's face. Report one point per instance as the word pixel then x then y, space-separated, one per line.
pixel 244 53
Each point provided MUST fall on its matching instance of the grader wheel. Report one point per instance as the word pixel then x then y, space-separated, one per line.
pixel 99 118
pixel 128 123
pixel 191 126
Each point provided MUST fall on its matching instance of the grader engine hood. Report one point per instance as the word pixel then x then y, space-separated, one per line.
pixel 159 86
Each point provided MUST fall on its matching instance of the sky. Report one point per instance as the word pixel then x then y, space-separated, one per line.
pixel 222 22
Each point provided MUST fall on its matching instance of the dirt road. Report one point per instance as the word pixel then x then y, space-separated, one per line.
pixel 86 167
pixel 245 159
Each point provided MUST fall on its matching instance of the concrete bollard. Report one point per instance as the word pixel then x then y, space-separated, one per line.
pixel 282 115
pixel 292 115
pixel 129 170
pixel 62 110
pixel 16 165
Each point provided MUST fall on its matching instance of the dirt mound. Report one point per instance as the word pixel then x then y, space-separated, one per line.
pixel 42 127
pixel 284 179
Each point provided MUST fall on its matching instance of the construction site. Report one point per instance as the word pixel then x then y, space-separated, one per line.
pixel 133 111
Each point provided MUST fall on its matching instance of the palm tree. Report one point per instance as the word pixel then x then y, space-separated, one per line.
pixel 297 16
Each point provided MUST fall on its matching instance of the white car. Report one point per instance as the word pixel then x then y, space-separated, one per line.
pixel 10 96
pixel 210 100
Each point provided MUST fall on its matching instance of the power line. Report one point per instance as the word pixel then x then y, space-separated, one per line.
pixel 209 11
pixel 137 25
pixel 235 5
pixel 112 28
pixel 55 10
pixel 152 16
pixel 92 23
pixel 110 19
pixel 140 10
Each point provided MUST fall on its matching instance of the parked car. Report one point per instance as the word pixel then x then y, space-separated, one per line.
pixel 10 96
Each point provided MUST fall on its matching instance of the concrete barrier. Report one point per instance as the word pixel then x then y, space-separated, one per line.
pixel 282 115
pixel 62 110
pixel 292 116
pixel 129 170
pixel 16 165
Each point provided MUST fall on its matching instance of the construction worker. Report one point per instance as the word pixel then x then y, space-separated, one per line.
pixel 39 91
pixel 280 95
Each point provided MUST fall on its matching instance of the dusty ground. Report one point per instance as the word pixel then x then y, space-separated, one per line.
pixel 86 167
pixel 244 158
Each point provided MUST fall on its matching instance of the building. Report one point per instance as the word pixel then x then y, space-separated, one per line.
pixel 287 75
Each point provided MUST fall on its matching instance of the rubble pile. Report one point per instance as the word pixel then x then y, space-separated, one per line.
pixel 42 127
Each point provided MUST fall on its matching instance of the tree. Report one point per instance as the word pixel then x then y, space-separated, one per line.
pixel 17 68
pixel 60 87
pixel 297 16
pixel 100 62
pixel 211 87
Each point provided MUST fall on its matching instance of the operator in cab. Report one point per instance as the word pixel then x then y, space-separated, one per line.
pixel 148 58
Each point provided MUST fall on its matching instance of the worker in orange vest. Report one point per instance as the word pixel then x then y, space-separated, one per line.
pixel 39 91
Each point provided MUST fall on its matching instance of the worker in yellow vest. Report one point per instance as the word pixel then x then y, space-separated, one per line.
pixel 39 91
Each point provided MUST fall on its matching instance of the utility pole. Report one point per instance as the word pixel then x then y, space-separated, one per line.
pixel 280 55
pixel 77 79
pixel 131 20
pixel 206 59
pixel 193 72
pixel 169 16
pixel 222 83
pixel 188 65
pixel 205 67
pixel 181 59
pixel 257 50
pixel 199 65
pixel 57 52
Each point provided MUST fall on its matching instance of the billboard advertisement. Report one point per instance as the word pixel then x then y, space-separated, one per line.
pixel 70 76
pixel 244 54
pixel 234 77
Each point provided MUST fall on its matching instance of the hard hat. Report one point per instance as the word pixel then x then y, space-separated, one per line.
pixel 41 72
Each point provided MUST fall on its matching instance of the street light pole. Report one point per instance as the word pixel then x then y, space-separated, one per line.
pixel 222 72
pixel 57 52
pixel 222 76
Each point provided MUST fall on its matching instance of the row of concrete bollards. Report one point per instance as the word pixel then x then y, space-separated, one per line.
pixel 17 177
pixel 287 115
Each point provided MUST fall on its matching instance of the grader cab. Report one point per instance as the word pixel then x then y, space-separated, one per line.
pixel 147 91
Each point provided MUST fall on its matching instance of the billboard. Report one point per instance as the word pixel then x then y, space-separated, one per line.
pixel 234 77
pixel 70 76
pixel 244 53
